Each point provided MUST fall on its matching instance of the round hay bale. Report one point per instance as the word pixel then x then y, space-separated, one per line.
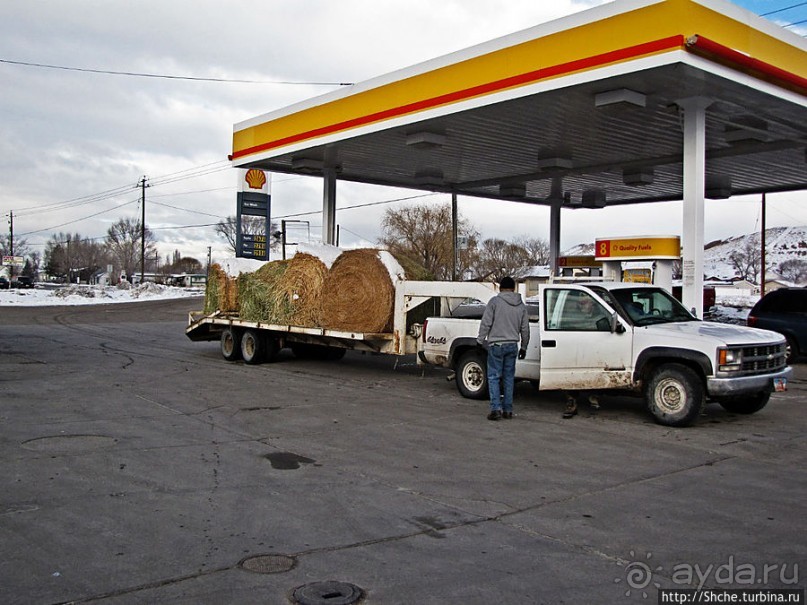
pixel 212 289
pixel 220 292
pixel 357 294
pixel 259 296
pixel 301 287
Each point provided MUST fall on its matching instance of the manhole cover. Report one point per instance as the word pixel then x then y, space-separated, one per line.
pixel 327 593
pixel 268 563
pixel 68 443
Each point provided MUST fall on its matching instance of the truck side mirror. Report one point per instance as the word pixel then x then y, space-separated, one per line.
pixel 616 326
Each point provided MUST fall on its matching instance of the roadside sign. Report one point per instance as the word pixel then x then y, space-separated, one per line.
pixel 13 261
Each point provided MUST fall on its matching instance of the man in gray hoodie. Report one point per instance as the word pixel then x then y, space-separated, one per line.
pixel 504 322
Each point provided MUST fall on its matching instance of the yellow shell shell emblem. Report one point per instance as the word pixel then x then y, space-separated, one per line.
pixel 255 178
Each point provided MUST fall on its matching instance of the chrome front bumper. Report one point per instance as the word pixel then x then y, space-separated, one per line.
pixel 721 387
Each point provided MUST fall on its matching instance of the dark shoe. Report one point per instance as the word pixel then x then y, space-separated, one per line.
pixel 507 415
pixel 571 409
pixel 495 415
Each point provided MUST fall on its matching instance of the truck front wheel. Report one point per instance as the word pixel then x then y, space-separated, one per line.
pixel 230 344
pixel 750 404
pixel 674 395
pixel 472 375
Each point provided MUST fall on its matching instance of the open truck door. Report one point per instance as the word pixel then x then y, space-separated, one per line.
pixel 584 343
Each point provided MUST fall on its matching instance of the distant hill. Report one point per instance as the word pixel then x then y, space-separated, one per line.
pixel 781 243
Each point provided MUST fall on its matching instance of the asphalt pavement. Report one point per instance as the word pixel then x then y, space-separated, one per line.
pixel 139 467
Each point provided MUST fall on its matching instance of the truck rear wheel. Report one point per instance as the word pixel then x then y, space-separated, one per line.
pixel 675 395
pixel 230 344
pixel 252 347
pixel 472 375
pixel 750 404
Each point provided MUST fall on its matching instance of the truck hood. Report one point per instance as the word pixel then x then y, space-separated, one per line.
pixel 727 334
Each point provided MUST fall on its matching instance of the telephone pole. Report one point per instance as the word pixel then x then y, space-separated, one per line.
pixel 143 229
pixel 11 232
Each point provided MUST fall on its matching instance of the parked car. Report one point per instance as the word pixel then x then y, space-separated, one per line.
pixel 22 281
pixel 784 311
pixel 4 285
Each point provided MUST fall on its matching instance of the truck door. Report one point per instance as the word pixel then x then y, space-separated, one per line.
pixel 579 350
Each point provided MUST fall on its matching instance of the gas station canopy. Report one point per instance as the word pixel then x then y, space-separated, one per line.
pixel 632 101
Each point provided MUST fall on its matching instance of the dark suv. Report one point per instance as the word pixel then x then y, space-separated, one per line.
pixel 3 283
pixel 22 281
pixel 784 311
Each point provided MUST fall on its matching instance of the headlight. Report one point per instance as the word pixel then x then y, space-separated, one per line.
pixel 729 360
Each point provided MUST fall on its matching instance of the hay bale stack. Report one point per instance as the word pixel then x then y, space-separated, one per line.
pixel 358 294
pixel 301 288
pixel 259 296
pixel 221 292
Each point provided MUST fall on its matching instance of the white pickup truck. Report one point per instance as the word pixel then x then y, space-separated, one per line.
pixel 637 338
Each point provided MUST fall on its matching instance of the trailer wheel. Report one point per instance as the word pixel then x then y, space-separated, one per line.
pixel 230 344
pixel 675 395
pixel 749 404
pixel 252 347
pixel 472 375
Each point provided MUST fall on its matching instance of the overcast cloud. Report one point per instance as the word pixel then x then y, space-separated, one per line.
pixel 65 135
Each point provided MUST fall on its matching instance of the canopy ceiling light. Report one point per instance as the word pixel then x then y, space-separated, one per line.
pixel 425 140
pixel 718 186
pixel 310 165
pixel 513 190
pixel 620 95
pixel 555 163
pixel 747 128
pixel 593 198
pixel 429 176
pixel 636 177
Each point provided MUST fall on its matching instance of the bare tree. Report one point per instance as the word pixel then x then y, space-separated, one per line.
pixel 69 255
pixel 251 225
pixel 746 261
pixel 123 245
pixel 420 237
pixel 498 258
pixel 794 269
pixel 537 249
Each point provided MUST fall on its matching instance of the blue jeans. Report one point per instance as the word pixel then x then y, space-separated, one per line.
pixel 502 375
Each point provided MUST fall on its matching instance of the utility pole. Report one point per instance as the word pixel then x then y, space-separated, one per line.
pixel 11 242
pixel 143 229
pixel 762 243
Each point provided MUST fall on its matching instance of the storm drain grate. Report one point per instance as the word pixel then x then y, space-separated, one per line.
pixel 268 563
pixel 330 592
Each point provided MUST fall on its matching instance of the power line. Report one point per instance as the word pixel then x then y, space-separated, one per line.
pixel 169 76
pixel 781 10
pixel 135 201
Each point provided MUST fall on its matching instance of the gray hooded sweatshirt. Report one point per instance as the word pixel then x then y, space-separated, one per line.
pixel 505 320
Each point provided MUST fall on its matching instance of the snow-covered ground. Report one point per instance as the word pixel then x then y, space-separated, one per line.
pixel 92 295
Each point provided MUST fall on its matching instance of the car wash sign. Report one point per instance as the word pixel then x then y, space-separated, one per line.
pixel 253 200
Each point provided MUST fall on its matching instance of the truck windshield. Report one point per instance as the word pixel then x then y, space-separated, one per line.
pixel 646 306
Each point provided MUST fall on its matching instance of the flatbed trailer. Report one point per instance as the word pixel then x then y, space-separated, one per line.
pixel 258 341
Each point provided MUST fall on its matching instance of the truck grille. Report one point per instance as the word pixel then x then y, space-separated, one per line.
pixel 763 359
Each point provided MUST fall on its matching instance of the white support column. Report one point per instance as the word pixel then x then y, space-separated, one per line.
pixel 694 110
pixel 554 236
pixel 329 206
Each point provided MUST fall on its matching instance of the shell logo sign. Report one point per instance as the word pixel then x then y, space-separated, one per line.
pixel 255 178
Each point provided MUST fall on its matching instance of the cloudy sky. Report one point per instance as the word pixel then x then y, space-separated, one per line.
pixel 74 143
